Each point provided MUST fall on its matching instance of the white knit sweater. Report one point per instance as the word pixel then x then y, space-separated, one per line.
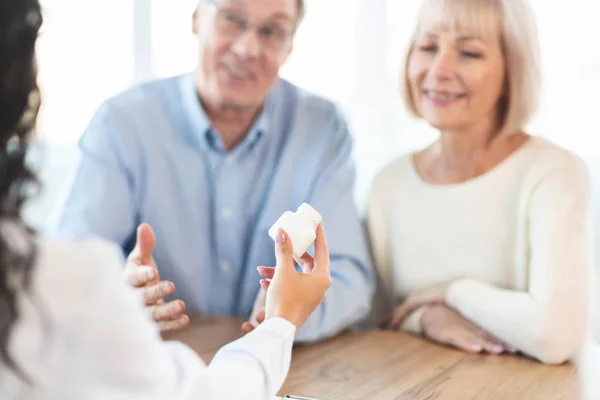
pixel 517 238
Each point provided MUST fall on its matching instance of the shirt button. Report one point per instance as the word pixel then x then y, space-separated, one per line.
pixel 225 267
pixel 229 161
pixel 226 213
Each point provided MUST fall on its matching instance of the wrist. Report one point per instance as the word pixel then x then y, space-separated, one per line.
pixel 289 315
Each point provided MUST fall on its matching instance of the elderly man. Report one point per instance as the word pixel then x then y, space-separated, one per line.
pixel 210 160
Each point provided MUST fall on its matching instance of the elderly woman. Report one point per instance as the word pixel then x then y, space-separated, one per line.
pixel 482 238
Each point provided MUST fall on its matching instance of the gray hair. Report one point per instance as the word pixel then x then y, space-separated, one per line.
pixel 300 5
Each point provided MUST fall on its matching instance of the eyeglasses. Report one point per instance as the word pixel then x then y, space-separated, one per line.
pixel 233 23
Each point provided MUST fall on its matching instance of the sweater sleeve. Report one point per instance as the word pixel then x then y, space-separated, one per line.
pixel 549 320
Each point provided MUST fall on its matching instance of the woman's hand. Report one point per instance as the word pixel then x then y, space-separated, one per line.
pixel 434 295
pixel 291 294
pixel 446 326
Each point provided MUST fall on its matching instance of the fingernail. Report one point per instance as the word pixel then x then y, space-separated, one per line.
pixel 281 237
pixel 150 274
pixel 476 348
pixel 512 349
pixel 497 348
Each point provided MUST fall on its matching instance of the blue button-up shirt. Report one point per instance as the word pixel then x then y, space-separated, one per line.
pixel 151 155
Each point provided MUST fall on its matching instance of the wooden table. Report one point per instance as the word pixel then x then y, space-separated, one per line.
pixel 390 365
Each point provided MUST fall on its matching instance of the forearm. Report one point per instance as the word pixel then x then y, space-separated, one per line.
pixel 550 331
pixel 257 364
pixel 253 367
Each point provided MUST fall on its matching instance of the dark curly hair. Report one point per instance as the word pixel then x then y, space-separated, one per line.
pixel 20 21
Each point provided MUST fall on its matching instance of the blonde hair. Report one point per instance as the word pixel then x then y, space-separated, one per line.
pixel 520 48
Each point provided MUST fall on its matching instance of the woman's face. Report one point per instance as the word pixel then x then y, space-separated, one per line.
pixel 456 78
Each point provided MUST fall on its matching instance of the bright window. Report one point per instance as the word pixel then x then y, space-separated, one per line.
pixel 346 50
pixel 85 54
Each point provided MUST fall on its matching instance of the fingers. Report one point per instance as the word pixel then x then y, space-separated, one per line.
pixel 156 292
pixel 144 246
pixel 321 263
pixel 510 348
pixel 480 342
pixel 446 326
pixel 283 253
pixel 507 347
pixel 266 272
pixel 247 327
pixel 264 284
pixel 466 341
pixel 166 311
pixel 174 324
pixel 487 342
pixel 477 344
pixel 260 316
pixel 307 263
pixel 491 347
pixel 140 276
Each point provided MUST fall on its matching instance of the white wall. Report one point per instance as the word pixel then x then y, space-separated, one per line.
pixel 55 165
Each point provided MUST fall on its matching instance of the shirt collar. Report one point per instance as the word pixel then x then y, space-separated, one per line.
pixel 208 138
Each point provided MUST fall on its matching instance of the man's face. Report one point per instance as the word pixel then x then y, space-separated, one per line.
pixel 243 43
